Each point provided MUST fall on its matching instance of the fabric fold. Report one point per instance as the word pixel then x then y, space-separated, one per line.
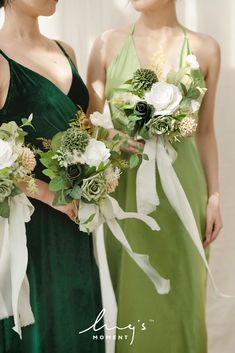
pixel 14 286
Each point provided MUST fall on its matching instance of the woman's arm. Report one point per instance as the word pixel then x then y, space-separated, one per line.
pixel 96 76
pixel 206 141
pixel 96 80
pixel 46 196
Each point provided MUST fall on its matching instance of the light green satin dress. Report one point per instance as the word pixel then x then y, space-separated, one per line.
pixel 172 323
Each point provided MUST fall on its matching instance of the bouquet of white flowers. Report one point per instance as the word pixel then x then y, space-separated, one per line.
pixel 147 107
pixel 17 162
pixel 84 168
pixel 162 111
pixel 82 164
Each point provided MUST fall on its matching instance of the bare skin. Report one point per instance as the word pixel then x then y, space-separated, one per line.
pixel 22 41
pixel 158 26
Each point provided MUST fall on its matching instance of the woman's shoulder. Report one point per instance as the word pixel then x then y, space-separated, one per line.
pixel 69 50
pixel 207 50
pixel 109 43
pixel 203 43
pixel 116 33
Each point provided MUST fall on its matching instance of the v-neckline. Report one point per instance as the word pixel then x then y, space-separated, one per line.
pixel 43 77
pixel 137 55
pixel 47 79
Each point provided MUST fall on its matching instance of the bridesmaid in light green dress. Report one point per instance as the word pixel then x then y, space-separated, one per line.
pixel 173 323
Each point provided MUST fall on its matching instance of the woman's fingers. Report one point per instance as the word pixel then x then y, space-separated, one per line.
pixel 133 146
pixel 217 228
pixel 209 230
pixel 212 232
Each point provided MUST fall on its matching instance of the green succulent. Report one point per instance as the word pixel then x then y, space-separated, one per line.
pixel 143 79
pixel 161 125
pixel 74 139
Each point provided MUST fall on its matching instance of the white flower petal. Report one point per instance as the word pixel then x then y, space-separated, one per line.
pixel 191 60
pixel 164 97
pixel 7 156
pixel 95 153
pixel 102 120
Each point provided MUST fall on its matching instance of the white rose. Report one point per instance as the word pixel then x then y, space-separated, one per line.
pixel 164 97
pixel 191 60
pixel 7 157
pixel 95 153
pixel 104 120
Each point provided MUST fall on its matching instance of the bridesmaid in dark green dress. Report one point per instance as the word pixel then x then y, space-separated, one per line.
pixel 63 276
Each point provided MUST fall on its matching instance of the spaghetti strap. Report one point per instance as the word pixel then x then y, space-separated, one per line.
pixel 184 31
pixel 186 49
pixel 132 30
pixel 62 48
pixel 4 55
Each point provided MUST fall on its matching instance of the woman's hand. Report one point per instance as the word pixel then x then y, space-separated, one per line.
pixel 70 210
pixel 46 196
pixel 214 222
pixel 132 145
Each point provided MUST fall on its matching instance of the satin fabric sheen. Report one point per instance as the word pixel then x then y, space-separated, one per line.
pixel 175 323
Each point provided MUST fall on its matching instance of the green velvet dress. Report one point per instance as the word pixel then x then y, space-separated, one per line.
pixel 62 272
pixel 175 323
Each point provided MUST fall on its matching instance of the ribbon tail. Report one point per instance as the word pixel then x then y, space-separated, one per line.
pixel 20 212
pixel 112 207
pixel 178 200
pixel 146 192
pixel 5 277
pixel 108 295
pixel 161 284
pixel 111 210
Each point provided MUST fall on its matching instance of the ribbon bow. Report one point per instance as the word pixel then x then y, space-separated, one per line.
pixel 108 212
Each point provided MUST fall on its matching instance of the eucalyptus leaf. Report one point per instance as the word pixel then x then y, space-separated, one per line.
pixel 134 161
pixel 145 157
pixel 180 116
pixel 57 184
pixel 49 173
pixel 56 141
pixel 185 103
pixel 117 137
pixel 193 93
pixel 88 171
pixel 76 193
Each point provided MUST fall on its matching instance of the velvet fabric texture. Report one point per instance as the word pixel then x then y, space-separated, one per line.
pixel 62 272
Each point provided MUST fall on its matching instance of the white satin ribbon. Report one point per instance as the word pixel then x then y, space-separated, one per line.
pixel 108 212
pixel 162 155
pixel 14 286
